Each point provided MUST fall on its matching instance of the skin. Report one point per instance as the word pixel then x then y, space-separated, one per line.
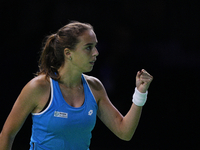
pixel 35 94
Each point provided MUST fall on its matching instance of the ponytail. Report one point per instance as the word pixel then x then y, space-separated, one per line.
pixel 48 62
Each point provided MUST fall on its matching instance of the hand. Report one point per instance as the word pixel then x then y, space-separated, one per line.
pixel 143 80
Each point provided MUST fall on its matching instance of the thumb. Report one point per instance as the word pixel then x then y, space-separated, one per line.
pixel 138 82
pixel 138 75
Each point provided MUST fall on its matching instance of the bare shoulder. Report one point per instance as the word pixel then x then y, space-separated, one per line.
pixel 39 83
pixel 96 86
pixel 36 92
pixel 94 82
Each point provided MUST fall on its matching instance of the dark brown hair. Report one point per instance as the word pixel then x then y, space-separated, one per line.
pixel 52 56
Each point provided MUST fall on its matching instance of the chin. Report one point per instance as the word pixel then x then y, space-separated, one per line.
pixel 89 70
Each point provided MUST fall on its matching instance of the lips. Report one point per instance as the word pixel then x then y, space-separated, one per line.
pixel 92 62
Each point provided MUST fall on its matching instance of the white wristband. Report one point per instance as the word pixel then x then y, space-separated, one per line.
pixel 139 98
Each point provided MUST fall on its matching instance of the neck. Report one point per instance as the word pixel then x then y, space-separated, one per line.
pixel 69 78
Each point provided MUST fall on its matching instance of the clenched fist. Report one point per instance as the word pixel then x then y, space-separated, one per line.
pixel 143 80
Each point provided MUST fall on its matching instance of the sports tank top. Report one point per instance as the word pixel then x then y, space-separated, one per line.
pixel 61 126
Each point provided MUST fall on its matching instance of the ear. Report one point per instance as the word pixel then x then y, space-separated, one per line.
pixel 67 51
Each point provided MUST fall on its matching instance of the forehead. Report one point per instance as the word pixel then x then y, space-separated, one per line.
pixel 88 37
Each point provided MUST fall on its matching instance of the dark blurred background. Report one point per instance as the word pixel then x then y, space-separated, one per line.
pixel 161 36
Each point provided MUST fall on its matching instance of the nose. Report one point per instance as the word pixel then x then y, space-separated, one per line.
pixel 96 53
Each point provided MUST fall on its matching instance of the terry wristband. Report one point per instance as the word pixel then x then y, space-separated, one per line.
pixel 139 98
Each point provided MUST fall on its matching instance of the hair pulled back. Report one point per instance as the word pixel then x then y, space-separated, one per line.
pixel 52 56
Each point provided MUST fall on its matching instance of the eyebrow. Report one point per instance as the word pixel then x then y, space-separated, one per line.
pixel 90 44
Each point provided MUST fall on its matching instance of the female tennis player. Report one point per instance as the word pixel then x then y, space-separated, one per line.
pixel 64 102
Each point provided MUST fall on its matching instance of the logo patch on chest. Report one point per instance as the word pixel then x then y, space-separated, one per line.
pixel 90 112
pixel 60 114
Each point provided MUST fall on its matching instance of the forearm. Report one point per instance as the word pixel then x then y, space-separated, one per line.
pixel 6 142
pixel 130 122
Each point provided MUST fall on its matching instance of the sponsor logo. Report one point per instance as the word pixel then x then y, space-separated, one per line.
pixel 90 112
pixel 60 114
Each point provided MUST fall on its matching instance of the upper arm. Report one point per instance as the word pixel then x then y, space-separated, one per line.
pixel 107 112
pixel 26 102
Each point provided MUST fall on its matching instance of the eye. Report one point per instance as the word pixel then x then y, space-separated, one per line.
pixel 89 48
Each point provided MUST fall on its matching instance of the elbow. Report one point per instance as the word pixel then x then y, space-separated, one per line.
pixel 126 137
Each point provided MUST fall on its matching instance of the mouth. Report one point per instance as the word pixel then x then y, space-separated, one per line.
pixel 92 62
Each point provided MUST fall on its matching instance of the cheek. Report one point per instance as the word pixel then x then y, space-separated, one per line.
pixel 80 60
